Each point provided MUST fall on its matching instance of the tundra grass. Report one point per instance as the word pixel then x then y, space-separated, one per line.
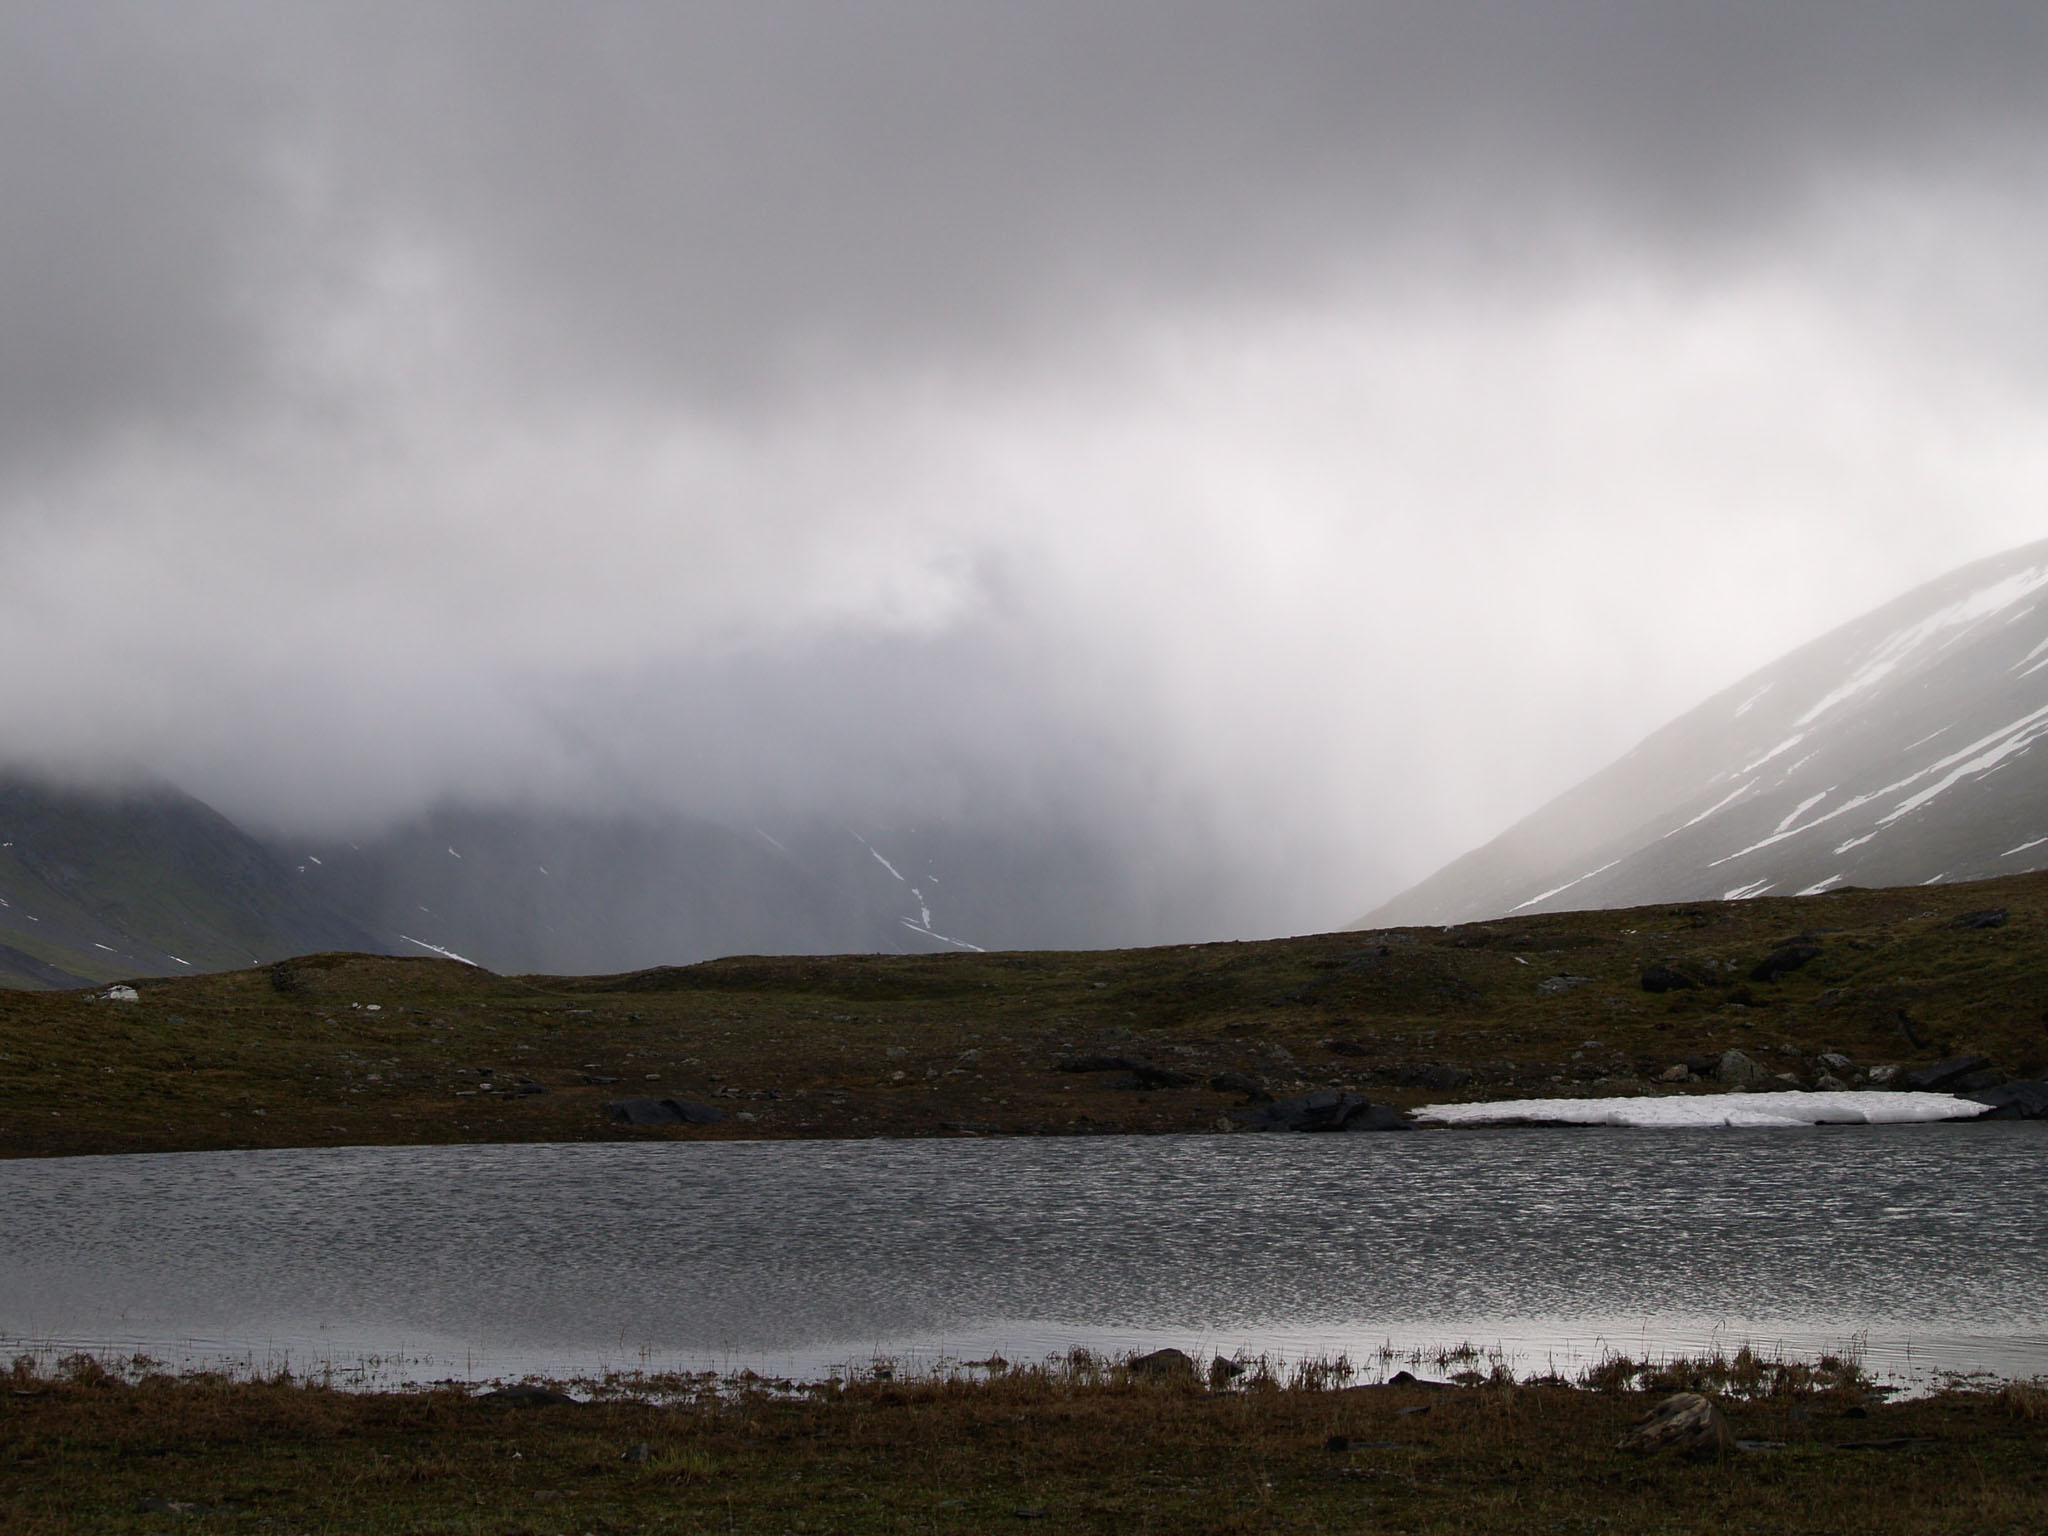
pixel 360 1049
pixel 1065 1448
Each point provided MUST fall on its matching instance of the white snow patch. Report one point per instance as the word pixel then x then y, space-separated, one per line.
pixel 2023 847
pixel 1804 806
pixel 1744 892
pixel 1818 886
pixel 310 859
pixel 1750 703
pixel 96 944
pixel 436 949
pixel 1705 1111
pixel 1895 648
pixel 1935 879
pixel 183 962
pixel 1854 842
pixel 771 842
pixel 1559 889
pixel 1926 739
pixel 451 854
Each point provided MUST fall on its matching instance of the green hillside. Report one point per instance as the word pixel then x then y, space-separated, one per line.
pixel 340 1048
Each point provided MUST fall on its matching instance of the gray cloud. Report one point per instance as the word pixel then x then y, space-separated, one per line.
pixel 1312 433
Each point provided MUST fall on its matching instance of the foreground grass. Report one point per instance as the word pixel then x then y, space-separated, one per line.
pixel 1068 1448
pixel 357 1049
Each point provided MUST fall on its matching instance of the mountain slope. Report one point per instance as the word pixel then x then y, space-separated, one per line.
pixel 1896 750
pixel 144 882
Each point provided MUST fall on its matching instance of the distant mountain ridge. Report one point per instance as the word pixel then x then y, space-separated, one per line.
pixel 1896 750
pixel 144 881
pixel 100 885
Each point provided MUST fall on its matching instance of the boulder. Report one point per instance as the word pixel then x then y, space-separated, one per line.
pixel 1784 960
pixel 1679 1073
pixel 1686 1423
pixel 1163 1364
pixel 1141 1073
pixel 1557 986
pixel 1662 978
pixel 1945 1074
pixel 1835 1061
pixel 1327 1109
pixel 1737 1070
pixel 122 995
pixel 1253 1088
pixel 663 1112
pixel 2013 1101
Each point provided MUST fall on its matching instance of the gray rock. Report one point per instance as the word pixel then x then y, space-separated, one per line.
pixel 663 1112
pixel 1557 986
pixel 1686 1423
pixel 1737 1070
pixel 1835 1061
pixel 1327 1109
pixel 2013 1101
pixel 1253 1088
pixel 1679 1073
pixel 1827 1082
pixel 1878 1077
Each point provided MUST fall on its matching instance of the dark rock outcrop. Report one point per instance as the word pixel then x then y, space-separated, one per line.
pixel 663 1112
pixel 1327 1109
pixel 1662 978
pixel 1952 1074
pixel 1783 961
pixel 1989 917
pixel 2013 1101
pixel 1163 1364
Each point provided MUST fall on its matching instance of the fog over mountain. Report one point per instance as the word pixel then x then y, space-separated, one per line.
pixel 1182 470
pixel 1897 750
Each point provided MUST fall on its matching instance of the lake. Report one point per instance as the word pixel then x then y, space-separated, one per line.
pixel 1924 1247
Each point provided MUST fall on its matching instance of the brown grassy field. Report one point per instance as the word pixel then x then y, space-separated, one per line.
pixel 1079 1446
pixel 333 1049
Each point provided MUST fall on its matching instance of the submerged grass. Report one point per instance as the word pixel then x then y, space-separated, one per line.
pixel 1080 1443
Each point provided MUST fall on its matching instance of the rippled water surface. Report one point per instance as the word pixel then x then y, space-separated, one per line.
pixel 1927 1246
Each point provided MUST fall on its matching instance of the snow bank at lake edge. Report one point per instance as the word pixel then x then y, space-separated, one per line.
pixel 1704 1111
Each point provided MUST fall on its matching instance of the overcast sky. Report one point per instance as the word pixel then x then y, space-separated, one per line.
pixel 1314 432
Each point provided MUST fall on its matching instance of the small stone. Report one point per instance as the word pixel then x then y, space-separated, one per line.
pixel 1557 986
pixel 1675 1074
pixel 1835 1061
pixel 1827 1082
pixel 1879 1076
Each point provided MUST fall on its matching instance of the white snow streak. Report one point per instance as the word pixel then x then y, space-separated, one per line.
pixel 437 949
pixel 878 857
pixel 1559 889
pixel 1818 886
pixel 1744 892
pixel 1778 751
pixel 1718 805
pixel 1895 648
pixel 1706 1111
pixel 1749 703
pixel 2023 847
pixel 1804 806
